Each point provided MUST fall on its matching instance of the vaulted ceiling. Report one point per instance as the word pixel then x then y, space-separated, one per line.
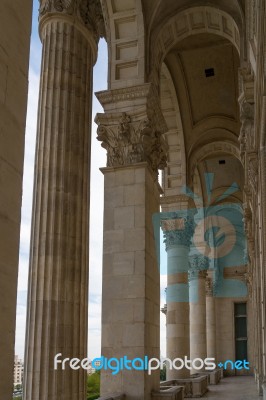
pixel 158 11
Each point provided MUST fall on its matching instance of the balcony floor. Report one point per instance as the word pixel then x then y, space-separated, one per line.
pixel 234 388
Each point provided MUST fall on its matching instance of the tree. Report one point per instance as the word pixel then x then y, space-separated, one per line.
pixel 93 386
pixel 163 373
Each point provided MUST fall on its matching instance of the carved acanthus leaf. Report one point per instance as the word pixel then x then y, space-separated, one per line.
pixel 246 137
pixel 253 165
pixel 178 231
pixel 130 143
pixel 88 11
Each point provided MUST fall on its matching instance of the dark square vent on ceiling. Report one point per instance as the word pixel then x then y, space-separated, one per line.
pixel 209 72
pixel 221 162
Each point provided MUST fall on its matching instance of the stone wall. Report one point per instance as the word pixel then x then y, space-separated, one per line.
pixel 15 24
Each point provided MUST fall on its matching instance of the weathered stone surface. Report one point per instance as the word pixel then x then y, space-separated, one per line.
pixel 14 61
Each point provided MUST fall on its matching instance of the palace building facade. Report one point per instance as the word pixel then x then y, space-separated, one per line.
pixel 186 96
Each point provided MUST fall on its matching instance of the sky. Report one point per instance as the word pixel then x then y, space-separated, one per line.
pixel 98 160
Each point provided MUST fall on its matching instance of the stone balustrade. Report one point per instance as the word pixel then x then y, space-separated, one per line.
pixel 169 392
pixel 193 387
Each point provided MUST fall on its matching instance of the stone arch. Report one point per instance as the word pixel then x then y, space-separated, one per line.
pixel 125 36
pixel 174 175
pixel 192 21
pixel 210 149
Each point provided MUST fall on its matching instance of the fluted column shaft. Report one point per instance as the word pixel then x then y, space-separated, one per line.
pixel 263 264
pixel 58 278
pixel 178 233
pixel 197 309
pixel 210 320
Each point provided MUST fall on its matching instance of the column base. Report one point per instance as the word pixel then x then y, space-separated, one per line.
pixel 194 387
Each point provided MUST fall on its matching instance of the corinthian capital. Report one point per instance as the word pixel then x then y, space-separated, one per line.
pixel 199 262
pixel 135 135
pixel 178 231
pixel 88 12
pixel 129 143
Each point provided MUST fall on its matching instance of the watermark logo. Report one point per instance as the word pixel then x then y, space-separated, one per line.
pixel 215 238
pixel 117 365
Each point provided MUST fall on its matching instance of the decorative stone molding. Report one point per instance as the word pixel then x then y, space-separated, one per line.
pixel 129 143
pixel 112 96
pixel 253 170
pixel 246 137
pixel 136 135
pixel 249 231
pixel 89 13
pixel 145 96
pixel 248 280
pixel 246 84
pixel 178 231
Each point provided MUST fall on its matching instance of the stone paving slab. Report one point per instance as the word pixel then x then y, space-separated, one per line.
pixel 234 388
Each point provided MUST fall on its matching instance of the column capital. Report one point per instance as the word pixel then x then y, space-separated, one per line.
pixel 136 133
pixel 85 14
pixel 178 231
pixel 199 264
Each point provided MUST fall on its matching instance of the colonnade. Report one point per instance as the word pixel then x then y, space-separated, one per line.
pixel 190 310
pixel 131 130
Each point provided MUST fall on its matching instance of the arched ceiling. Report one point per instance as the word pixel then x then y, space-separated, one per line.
pixel 204 69
pixel 158 11
pixel 227 171
pixel 204 72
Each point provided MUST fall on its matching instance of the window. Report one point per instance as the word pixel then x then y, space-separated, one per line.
pixel 241 331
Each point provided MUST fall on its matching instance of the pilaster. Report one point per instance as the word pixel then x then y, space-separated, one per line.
pixel 132 132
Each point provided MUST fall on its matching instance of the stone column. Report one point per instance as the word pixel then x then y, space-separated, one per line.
pixel 210 320
pixel 178 234
pixel 197 310
pixel 131 280
pixel 58 276
pixel 263 258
